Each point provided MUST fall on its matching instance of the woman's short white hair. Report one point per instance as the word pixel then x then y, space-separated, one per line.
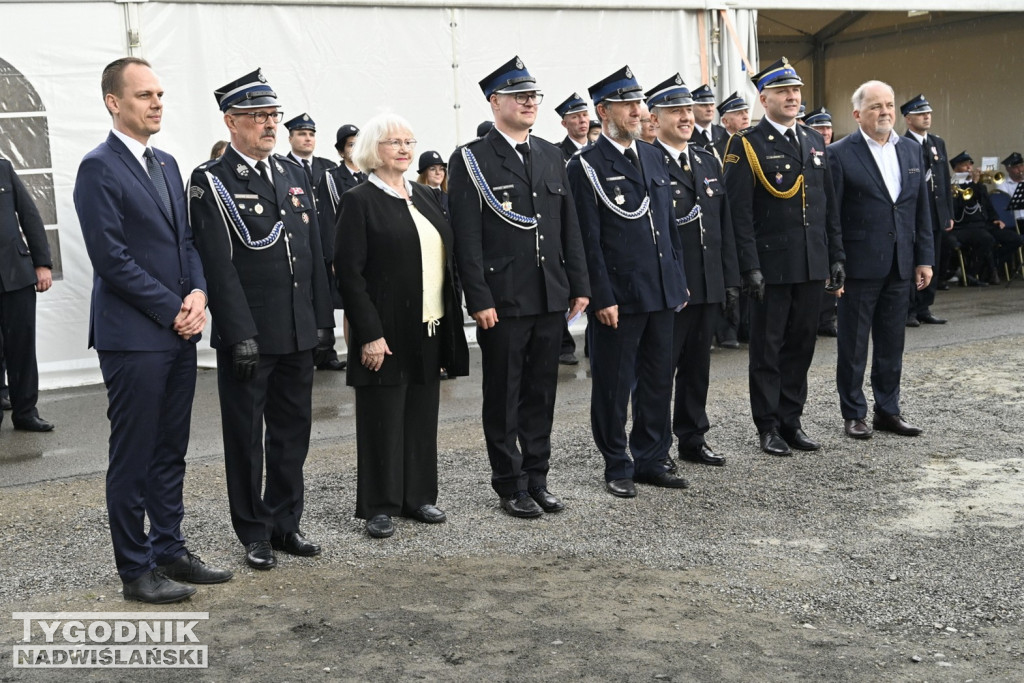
pixel 380 127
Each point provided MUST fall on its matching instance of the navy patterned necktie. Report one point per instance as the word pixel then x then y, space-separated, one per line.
pixel 156 174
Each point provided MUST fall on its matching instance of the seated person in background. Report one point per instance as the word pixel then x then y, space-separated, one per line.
pixel 1014 180
pixel 977 214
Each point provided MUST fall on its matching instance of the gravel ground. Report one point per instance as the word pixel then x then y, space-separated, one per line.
pixel 894 559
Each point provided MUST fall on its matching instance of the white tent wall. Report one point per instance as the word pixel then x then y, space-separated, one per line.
pixel 342 64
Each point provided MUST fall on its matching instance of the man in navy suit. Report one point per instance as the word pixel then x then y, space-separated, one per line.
pixel 148 310
pixel 883 197
pixel 623 196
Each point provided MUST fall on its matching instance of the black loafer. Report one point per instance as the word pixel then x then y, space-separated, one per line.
pixel 260 555
pixel 702 455
pixel 929 319
pixel 912 322
pixel 547 501
pixel 729 344
pixel 857 429
pixel 191 569
pixel 796 438
pixel 333 364
pixel 380 526
pixel 773 444
pixel 294 543
pixel 894 424
pixel 429 514
pixel 33 424
pixel 568 359
pixel 623 488
pixel 665 480
pixel 520 504
pixel 156 589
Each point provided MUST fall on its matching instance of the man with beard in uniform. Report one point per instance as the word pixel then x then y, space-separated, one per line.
pixel 704 228
pixel 917 114
pixel 302 138
pixel 255 226
pixel 624 201
pixel 788 244
pixel 521 263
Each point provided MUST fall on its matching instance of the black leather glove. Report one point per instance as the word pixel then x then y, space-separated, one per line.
pixel 245 356
pixel 732 302
pixel 324 345
pixel 837 277
pixel 753 284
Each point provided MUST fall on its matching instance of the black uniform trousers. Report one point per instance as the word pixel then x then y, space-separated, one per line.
pixel 981 245
pixel 396 442
pixel 520 376
pixel 635 360
pixel 149 396
pixel 875 308
pixel 922 300
pixel 691 353
pixel 18 349
pixel 782 334
pixel 280 393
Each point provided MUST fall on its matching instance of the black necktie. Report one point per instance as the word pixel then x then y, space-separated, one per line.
pixel 630 154
pixel 707 138
pixel 309 171
pixel 264 170
pixel 524 149
pixel 791 136
pixel 156 174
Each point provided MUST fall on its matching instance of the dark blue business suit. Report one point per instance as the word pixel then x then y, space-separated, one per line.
pixel 144 265
pixel 636 265
pixel 884 241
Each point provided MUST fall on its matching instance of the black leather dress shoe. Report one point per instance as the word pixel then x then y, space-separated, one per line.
pixel 294 543
pixel 670 464
pixel 33 424
pixel 520 504
pixel 796 438
pixel 429 514
pixel 333 364
pixel 156 589
pixel 380 526
pixel 191 569
pixel 912 322
pixel 568 359
pixel 894 424
pixel 665 480
pixel 773 444
pixel 729 344
pixel 857 429
pixel 623 488
pixel 548 502
pixel 827 332
pixel 929 319
pixel 260 555
pixel 702 455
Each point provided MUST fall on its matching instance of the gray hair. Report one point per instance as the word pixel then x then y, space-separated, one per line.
pixel 364 154
pixel 858 95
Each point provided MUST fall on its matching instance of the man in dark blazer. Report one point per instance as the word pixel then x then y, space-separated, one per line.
pixel 576 121
pixel 788 243
pixel 521 263
pixel 917 114
pixel 703 226
pixel 706 133
pixel 336 182
pixel 256 230
pixel 24 270
pixel 148 310
pixel 302 138
pixel 624 200
pixel 883 199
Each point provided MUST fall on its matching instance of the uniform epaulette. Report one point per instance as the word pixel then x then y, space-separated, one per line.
pixel 743 132
pixel 697 149
pixel 207 165
pixel 282 157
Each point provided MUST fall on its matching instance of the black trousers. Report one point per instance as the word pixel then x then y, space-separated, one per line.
pixel 691 351
pixel 149 397
pixel 279 396
pixel 782 334
pixel 921 301
pixel 633 360
pixel 520 377
pixel 877 309
pixel 396 443
pixel 18 349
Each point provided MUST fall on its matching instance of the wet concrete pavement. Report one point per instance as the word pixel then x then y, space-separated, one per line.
pixel 78 445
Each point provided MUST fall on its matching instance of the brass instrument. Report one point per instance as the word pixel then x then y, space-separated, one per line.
pixel 992 177
pixel 966 193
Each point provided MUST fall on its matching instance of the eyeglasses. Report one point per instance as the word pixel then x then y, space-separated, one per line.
pixel 261 117
pixel 524 97
pixel 397 144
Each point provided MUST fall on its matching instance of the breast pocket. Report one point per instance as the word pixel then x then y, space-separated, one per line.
pixel 300 202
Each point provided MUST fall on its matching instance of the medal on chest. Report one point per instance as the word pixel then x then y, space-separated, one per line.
pixel 506 203
pixel 619 199
pixel 778 178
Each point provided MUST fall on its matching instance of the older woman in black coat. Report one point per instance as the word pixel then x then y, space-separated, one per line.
pixel 393 260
